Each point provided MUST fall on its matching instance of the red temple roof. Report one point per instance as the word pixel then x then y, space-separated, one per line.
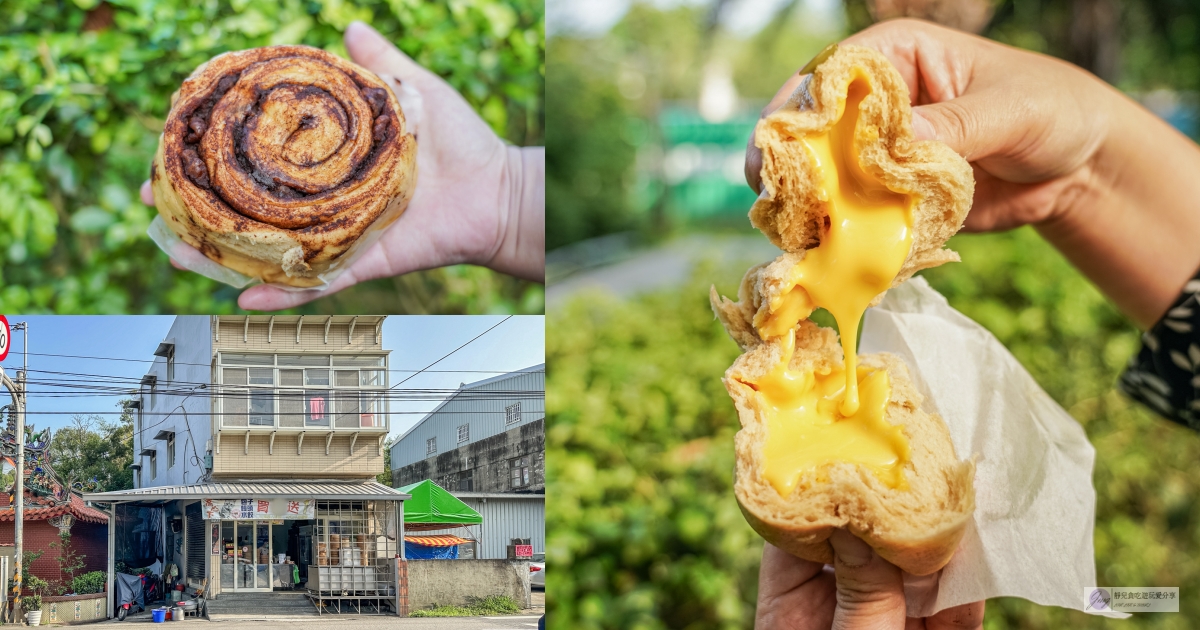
pixel 37 509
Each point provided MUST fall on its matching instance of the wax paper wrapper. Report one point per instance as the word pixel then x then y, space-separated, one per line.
pixel 1031 535
pixel 191 259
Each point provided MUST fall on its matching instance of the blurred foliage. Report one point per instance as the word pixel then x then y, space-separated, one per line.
pixel 591 156
pixel 645 532
pixel 608 90
pixel 85 87
pixel 603 141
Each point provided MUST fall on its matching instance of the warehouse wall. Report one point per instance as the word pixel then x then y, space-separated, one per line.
pixel 485 465
pixel 504 519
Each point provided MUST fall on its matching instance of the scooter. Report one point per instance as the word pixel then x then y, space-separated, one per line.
pixel 130 592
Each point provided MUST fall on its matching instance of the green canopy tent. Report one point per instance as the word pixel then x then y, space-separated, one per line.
pixel 431 507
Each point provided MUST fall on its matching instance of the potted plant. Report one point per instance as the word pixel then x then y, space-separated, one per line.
pixel 32 604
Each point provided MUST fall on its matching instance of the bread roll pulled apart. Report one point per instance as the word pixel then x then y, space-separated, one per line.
pixel 831 439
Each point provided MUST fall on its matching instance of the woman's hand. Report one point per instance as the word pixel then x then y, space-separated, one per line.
pixel 1104 180
pixel 861 590
pixel 477 199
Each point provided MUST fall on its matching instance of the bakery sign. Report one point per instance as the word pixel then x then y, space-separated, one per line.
pixel 259 509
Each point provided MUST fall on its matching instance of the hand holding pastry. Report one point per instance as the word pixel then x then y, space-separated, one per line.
pixel 477 200
pixel 861 590
pixel 1103 179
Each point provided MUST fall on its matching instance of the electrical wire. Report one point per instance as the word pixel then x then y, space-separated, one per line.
pixel 73 356
pixel 452 352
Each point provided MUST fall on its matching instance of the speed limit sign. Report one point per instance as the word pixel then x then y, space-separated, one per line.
pixel 5 337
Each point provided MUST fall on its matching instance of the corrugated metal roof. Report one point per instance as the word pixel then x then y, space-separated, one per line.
pixel 499 495
pixel 320 490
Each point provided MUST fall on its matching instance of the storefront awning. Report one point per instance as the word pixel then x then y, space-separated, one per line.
pixel 436 541
pixel 319 490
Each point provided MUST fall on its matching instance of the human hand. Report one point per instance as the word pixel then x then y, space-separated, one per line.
pixel 861 590
pixel 1029 124
pixel 1103 179
pixel 477 200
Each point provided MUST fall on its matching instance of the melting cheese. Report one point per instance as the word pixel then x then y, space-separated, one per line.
pixel 807 432
pixel 867 238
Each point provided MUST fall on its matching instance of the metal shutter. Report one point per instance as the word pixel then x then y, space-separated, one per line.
pixel 195 542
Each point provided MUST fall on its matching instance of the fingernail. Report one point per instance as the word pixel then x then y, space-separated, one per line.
pixel 922 128
pixel 826 53
pixel 850 549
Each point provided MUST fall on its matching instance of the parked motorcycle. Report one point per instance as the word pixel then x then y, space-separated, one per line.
pixel 130 592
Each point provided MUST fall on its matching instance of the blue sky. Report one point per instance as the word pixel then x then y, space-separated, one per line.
pixel 415 342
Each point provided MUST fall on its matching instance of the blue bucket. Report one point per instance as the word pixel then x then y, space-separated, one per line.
pixel 159 615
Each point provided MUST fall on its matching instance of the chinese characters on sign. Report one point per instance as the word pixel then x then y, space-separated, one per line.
pixel 259 509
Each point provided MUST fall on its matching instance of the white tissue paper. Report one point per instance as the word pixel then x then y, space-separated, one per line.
pixel 1031 535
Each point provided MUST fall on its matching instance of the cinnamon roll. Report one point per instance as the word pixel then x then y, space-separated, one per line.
pixel 277 161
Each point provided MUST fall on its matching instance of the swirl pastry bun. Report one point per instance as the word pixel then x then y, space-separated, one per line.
pixel 275 162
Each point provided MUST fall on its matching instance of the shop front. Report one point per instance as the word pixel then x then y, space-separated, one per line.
pixel 327 539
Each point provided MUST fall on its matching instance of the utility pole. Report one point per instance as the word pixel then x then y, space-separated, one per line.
pixel 14 389
pixel 19 473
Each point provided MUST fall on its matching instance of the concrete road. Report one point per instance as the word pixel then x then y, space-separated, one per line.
pixel 668 265
pixel 525 620
pixel 365 622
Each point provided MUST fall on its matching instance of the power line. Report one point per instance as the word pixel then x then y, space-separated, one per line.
pixel 452 352
pixel 73 356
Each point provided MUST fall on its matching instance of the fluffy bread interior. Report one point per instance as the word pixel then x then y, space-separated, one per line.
pixel 916 529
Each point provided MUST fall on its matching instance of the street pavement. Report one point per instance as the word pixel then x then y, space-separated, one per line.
pixel 668 265
pixel 523 621
pixel 365 622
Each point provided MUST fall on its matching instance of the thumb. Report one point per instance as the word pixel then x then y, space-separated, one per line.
pixel 974 125
pixel 870 590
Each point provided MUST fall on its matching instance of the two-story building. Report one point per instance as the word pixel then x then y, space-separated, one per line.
pixel 257 441
pixel 486 444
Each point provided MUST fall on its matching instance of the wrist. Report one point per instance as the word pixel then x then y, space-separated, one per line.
pixel 520 249
pixel 1131 228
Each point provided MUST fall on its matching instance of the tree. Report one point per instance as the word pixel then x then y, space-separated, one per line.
pixel 96 449
pixel 385 477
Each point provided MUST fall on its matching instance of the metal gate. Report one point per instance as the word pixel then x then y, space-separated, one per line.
pixel 195 541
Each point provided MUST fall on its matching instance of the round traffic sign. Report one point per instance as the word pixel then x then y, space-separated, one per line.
pixel 5 337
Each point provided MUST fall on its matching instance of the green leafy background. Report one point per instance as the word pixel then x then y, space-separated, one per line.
pixel 81 111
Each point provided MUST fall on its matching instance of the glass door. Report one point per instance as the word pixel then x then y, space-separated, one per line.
pixel 244 572
pixel 262 555
pixel 245 561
